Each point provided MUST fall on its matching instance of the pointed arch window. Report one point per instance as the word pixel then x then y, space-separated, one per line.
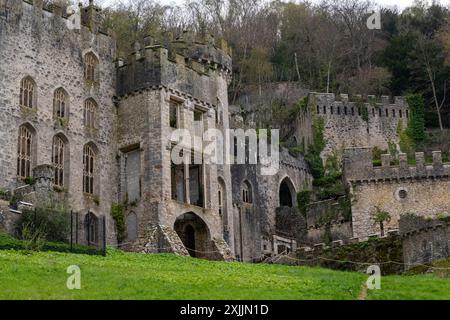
pixel 60 104
pixel 28 93
pixel 88 170
pixel 90 109
pixel 24 152
pixel 90 67
pixel 58 158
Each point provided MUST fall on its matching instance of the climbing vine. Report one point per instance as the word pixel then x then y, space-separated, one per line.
pixel 117 213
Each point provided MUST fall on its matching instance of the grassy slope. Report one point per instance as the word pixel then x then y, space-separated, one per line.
pixel 135 276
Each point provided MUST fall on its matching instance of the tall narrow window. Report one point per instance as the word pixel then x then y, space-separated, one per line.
pixel 24 152
pixel 58 160
pixel 88 170
pixel 220 201
pixel 173 117
pixel 60 102
pixel 247 193
pixel 27 93
pixel 90 67
pixel 90 107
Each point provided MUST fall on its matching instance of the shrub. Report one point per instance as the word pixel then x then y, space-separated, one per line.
pixel 51 221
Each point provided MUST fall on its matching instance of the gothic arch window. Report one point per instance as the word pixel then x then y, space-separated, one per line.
pixel 89 158
pixel 28 93
pixel 247 196
pixel 60 155
pixel 90 110
pixel 90 67
pixel 60 104
pixel 25 151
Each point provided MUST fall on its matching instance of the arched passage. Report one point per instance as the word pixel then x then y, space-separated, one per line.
pixel 194 234
pixel 287 193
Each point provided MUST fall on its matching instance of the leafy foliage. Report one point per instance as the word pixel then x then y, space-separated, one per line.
pixel 51 223
pixel 117 213
pixel 315 149
pixel 416 125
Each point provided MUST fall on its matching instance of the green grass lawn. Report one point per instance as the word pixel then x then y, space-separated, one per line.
pixel 119 275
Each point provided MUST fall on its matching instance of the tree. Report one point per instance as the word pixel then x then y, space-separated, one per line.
pixel 381 217
pixel 258 68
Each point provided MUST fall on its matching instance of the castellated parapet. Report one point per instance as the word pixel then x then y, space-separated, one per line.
pixel 422 189
pixel 359 121
pixel 185 64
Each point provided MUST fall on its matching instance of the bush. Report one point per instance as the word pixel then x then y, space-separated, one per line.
pixel 9 243
pixel 51 222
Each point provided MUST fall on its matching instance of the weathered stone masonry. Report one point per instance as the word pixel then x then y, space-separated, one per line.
pixel 36 43
pixel 115 136
pixel 423 190
pixel 351 124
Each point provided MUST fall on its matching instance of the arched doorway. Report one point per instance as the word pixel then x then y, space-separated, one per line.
pixel 287 193
pixel 91 229
pixel 194 234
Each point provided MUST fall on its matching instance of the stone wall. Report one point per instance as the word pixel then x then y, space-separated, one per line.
pixel 385 252
pixel 37 43
pixel 255 223
pixel 348 125
pixel 424 241
pixel 423 190
pixel 150 81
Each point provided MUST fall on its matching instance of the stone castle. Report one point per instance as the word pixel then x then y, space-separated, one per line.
pixel 95 131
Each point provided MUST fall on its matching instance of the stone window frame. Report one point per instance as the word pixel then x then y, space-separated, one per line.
pixel 28 93
pixel 177 104
pixel 91 63
pixel 90 108
pixel 60 160
pixel 61 104
pixel 398 194
pixel 26 151
pixel 90 167
pixel 246 192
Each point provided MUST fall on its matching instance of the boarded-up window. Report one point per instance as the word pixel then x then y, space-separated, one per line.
pixel 133 175
pixel 132 227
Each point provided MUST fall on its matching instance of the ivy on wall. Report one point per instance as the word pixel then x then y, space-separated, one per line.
pixel 315 149
pixel 117 213
pixel 416 125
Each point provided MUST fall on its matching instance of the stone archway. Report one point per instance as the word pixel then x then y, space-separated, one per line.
pixel 287 193
pixel 195 235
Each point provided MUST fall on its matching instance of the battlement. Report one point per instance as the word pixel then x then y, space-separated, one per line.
pixel 157 63
pixel 358 167
pixel 344 105
pixel 89 15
